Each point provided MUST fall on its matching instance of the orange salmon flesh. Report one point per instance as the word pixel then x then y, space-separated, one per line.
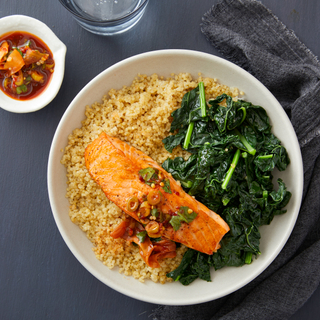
pixel 115 166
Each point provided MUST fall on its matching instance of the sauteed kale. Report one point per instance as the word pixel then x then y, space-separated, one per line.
pixel 233 154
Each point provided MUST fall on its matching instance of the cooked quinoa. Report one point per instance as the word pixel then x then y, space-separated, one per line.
pixel 139 115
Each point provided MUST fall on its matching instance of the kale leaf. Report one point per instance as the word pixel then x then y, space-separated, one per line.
pixel 233 154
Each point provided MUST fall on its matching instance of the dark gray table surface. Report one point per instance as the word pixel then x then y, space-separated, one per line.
pixel 39 276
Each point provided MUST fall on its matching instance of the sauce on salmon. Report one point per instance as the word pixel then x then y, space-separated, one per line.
pixel 118 167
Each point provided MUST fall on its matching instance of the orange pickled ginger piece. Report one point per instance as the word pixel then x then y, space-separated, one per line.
pixel 33 56
pixel 13 64
pixel 151 252
pixel 4 49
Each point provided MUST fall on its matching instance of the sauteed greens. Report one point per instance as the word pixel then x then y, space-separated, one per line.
pixel 233 153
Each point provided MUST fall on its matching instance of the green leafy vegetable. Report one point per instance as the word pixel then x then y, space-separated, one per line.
pixel 185 262
pixel 248 258
pixel 18 50
pixel 27 80
pixel 245 143
pixel 202 100
pixel 142 236
pixel 166 186
pixel 182 216
pixel 233 154
pixel 193 108
pixel 175 221
pixel 188 135
pixel 230 171
pixel 149 174
pixel 22 88
pixel 194 265
pixel 155 212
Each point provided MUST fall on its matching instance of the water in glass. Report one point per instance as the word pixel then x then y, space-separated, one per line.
pixel 105 9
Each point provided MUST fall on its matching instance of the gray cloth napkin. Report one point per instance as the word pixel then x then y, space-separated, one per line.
pixel 248 34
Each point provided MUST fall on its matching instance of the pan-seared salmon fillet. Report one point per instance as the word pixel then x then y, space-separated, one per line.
pixel 118 168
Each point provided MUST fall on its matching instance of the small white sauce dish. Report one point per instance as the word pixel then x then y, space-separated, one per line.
pixel 58 49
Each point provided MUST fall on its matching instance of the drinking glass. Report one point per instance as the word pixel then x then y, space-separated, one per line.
pixel 106 17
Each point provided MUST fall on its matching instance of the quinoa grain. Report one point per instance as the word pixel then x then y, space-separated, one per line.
pixel 138 114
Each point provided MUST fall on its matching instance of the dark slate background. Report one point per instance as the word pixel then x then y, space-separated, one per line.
pixel 39 276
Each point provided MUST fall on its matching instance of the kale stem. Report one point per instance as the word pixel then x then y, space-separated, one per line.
pixel 248 258
pixel 202 100
pixel 245 142
pixel 267 156
pixel 231 169
pixel 225 200
pixel 188 135
pixel 186 184
pixel 203 114
pixel 244 113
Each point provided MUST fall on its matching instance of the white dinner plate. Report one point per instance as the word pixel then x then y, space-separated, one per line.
pixel 165 62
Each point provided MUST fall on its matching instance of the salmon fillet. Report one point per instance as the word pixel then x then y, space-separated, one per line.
pixel 115 166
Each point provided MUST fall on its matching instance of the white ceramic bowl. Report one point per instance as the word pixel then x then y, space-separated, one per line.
pixel 165 62
pixel 58 49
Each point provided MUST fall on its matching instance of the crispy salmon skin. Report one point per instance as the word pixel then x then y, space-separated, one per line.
pixel 115 166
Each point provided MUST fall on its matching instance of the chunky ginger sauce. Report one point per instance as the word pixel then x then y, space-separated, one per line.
pixel 26 65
